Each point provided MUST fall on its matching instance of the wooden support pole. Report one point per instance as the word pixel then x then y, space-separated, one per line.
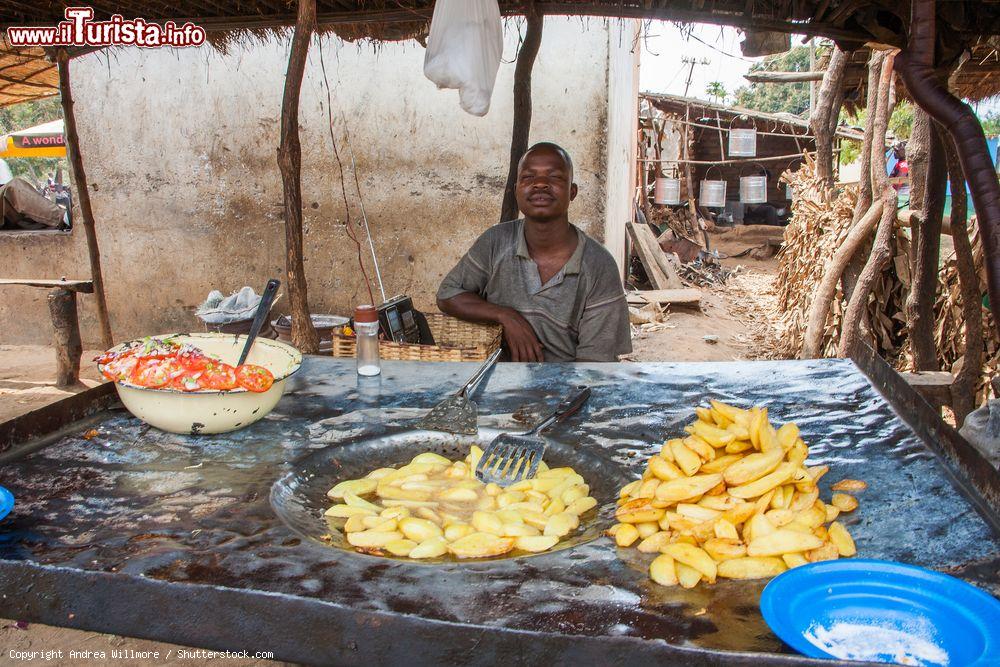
pixel 868 148
pixel 69 349
pixel 304 335
pixel 522 110
pixel 83 193
pixel 919 306
pixel 823 118
pixel 856 312
pixel 966 383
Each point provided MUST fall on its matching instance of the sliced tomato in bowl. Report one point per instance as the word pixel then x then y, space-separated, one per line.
pixel 254 378
pixel 154 372
pixel 119 369
pixel 218 376
pixel 186 381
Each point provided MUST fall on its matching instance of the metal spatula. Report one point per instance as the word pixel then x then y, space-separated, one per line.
pixel 511 457
pixel 457 414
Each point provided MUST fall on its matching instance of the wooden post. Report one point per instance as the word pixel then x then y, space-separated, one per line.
pixel 304 335
pixel 69 349
pixel 522 109
pixel 868 148
pixel 823 118
pixel 857 308
pixel 919 305
pixel 83 193
pixel 963 390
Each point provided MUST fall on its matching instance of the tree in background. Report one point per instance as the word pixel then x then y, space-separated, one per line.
pixel 716 91
pixel 775 98
pixel 21 117
pixel 991 123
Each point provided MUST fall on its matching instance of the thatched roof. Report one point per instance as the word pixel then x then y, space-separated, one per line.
pixel 25 74
pixel 850 22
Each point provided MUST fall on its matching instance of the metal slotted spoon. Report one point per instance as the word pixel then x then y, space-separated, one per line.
pixel 457 414
pixel 512 457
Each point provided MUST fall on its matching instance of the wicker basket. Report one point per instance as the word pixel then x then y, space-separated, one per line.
pixel 456 340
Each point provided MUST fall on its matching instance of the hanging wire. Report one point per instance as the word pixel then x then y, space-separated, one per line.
pixel 343 184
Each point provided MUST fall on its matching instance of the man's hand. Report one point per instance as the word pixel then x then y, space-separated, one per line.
pixel 521 339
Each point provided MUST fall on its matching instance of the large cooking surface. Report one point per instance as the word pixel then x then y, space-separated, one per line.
pixel 141 503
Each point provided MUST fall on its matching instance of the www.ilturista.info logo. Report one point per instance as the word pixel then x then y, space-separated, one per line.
pixel 79 29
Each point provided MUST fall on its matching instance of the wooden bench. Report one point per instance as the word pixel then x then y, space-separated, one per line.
pixel 62 308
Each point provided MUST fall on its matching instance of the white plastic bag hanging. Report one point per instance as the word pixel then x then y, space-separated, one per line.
pixel 464 50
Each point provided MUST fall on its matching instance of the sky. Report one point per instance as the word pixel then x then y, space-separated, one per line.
pixel 661 69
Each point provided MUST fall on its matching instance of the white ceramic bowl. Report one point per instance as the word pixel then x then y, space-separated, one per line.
pixel 207 411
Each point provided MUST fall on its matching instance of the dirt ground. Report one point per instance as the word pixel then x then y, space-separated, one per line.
pixel 728 324
pixel 735 313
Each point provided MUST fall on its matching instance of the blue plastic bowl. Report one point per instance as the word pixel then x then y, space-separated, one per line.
pixel 6 502
pixel 937 615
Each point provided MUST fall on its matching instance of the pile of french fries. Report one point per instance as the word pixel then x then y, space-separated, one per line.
pixel 433 506
pixel 733 499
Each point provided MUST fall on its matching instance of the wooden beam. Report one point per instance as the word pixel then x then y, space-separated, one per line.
pixel 783 77
pixel 522 111
pixel 83 194
pixel 83 286
pixel 934 386
pixel 658 268
pixel 304 335
pixel 678 297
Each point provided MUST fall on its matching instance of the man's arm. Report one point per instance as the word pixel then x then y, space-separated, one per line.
pixel 517 331
pixel 461 295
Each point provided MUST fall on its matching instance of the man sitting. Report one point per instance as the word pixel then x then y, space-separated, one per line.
pixel 556 291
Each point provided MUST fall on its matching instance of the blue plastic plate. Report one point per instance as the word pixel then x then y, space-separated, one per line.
pixel 883 611
pixel 6 502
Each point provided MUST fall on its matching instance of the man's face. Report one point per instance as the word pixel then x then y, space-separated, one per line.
pixel 544 185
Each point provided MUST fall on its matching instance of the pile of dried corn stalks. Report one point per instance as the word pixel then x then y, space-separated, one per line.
pixel 816 230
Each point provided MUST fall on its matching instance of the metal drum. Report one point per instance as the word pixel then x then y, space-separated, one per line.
pixel 712 193
pixel 753 189
pixel 667 190
pixel 742 142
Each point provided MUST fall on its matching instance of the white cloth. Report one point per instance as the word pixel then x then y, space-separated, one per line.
pixel 236 307
pixel 464 50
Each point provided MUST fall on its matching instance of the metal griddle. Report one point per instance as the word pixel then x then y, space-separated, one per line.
pixel 170 537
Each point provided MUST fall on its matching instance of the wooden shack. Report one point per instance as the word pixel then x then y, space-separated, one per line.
pixel 669 120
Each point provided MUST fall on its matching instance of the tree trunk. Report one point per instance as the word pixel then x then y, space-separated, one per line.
pixel 854 266
pixel 304 335
pixel 963 390
pixel 917 154
pixel 824 116
pixel 83 194
pixel 69 349
pixel 857 307
pixel 522 110
pixel 919 305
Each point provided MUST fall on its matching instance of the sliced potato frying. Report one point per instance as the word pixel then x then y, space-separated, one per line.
pixel 850 485
pixel 750 511
pixel 844 502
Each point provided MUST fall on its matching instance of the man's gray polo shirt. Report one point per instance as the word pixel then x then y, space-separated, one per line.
pixel 578 315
